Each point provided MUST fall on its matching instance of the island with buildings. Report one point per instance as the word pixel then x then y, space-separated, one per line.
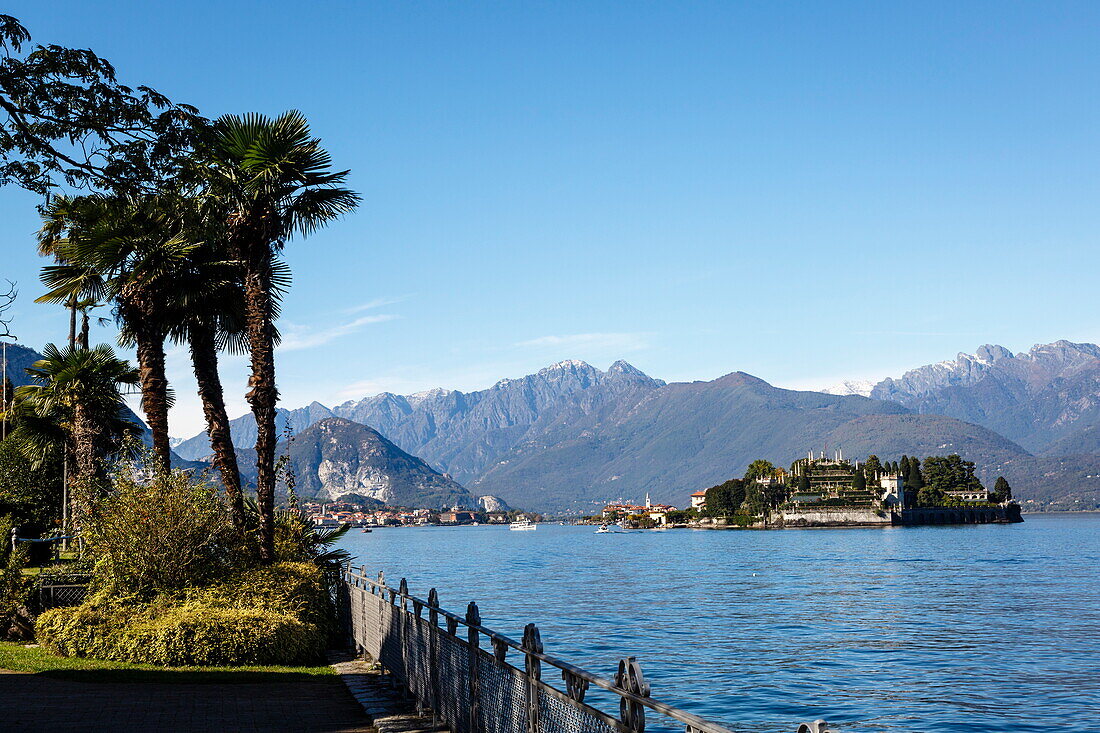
pixel 822 490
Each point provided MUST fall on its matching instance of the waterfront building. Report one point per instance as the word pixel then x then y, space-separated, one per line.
pixel 893 490
pixel 698 500
pixel 970 495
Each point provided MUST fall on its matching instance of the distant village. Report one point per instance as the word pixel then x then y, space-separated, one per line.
pixel 817 490
pixel 336 513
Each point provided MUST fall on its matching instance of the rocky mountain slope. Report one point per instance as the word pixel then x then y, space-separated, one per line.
pixel 571 435
pixel 685 436
pixel 463 432
pixel 1046 399
pixel 335 456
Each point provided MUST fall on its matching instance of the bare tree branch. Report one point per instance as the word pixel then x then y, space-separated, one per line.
pixel 7 299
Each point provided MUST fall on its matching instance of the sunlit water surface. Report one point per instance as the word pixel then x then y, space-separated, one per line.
pixel 970 628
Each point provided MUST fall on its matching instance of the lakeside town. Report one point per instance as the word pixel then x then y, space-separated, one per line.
pixel 816 491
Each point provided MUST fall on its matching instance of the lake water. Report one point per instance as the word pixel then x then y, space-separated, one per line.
pixel 968 628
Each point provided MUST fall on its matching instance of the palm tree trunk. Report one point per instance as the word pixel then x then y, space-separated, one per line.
pixel 72 322
pixel 154 391
pixel 204 357
pixel 87 463
pixel 84 331
pixel 262 396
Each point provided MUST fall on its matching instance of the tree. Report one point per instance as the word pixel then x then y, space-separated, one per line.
pixel 859 481
pixel 872 468
pixel 1002 492
pixel 914 480
pixel 930 496
pixel 273 180
pixel 65 118
pixel 803 484
pixel 213 319
pixel 81 391
pixel 7 300
pixel 725 498
pixel 133 251
pixel 951 473
pixel 759 469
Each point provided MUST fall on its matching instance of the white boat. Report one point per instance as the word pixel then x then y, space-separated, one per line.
pixel 523 524
pixel 603 529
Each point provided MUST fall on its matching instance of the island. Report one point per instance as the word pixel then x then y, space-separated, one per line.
pixel 822 490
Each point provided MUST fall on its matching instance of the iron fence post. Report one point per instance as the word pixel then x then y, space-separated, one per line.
pixel 473 619
pixel 532 645
pixel 406 652
pixel 433 651
pixel 630 678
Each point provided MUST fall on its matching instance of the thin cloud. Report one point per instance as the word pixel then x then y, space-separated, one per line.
pixel 617 341
pixel 296 337
pixel 376 303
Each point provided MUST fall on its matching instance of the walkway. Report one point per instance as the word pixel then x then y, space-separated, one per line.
pixel 32 702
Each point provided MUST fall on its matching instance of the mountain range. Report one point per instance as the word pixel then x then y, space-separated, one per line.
pixel 572 436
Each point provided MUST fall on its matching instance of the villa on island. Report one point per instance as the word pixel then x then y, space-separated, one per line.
pixel 657 512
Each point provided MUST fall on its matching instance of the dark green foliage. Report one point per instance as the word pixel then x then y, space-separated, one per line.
pixel 872 468
pixel 14 587
pixel 725 498
pixel 951 473
pixel 1001 490
pixel 65 118
pixel 681 516
pixel 803 484
pixel 859 481
pixel 914 479
pixel 929 496
pixel 759 469
pixel 31 495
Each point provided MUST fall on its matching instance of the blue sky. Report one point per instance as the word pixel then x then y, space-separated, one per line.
pixel 806 192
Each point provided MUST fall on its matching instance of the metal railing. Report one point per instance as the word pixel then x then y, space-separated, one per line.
pixel 56 591
pixel 472 689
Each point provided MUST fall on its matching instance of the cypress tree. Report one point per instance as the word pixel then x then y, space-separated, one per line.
pixel 915 480
pixel 859 483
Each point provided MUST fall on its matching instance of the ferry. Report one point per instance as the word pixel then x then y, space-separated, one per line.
pixel 523 524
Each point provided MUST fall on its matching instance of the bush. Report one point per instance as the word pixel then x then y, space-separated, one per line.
pixel 160 533
pixel 14 587
pixel 271 615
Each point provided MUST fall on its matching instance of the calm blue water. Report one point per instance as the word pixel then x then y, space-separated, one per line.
pixel 971 628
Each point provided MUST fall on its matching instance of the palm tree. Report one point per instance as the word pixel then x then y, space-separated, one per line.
pixel 210 317
pixel 130 250
pixel 272 179
pixel 77 393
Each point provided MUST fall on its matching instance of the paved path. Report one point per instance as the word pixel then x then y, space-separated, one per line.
pixel 36 703
pixel 388 711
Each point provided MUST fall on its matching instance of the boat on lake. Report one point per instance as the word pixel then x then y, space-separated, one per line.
pixel 523 524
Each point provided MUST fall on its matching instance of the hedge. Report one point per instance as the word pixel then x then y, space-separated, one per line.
pixel 272 615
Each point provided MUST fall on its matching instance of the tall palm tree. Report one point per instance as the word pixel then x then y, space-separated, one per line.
pixel 78 392
pixel 273 180
pixel 210 317
pixel 130 250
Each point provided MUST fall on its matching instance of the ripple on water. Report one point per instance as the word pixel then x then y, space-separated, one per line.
pixel 937 629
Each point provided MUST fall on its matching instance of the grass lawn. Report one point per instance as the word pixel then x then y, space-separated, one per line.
pixel 17 658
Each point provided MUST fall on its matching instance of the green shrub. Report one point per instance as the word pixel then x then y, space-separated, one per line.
pixel 14 587
pixel 160 533
pixel 271 615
